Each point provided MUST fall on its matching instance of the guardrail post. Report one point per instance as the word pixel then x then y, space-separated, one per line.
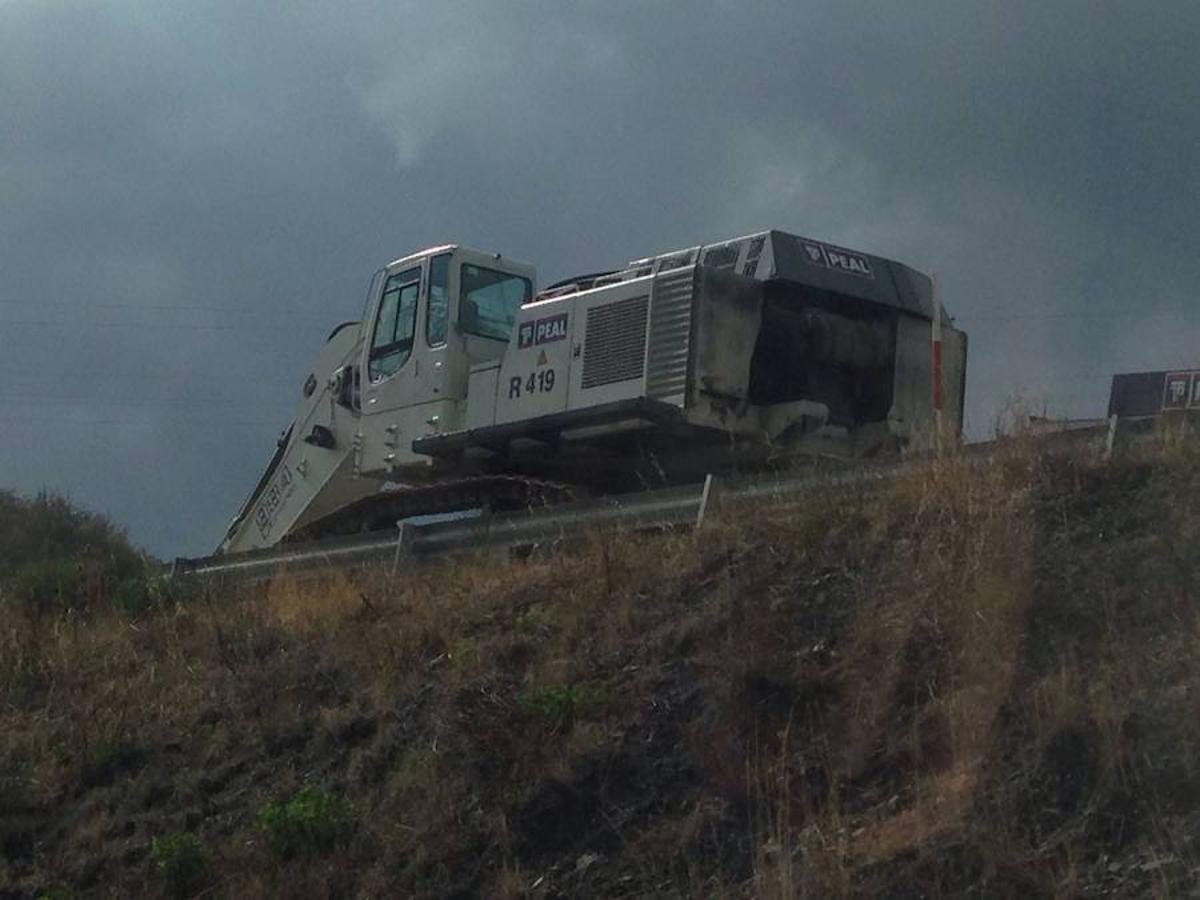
pixel 404 538
pixel 936 366
pixel 1111 440
pixel 709 497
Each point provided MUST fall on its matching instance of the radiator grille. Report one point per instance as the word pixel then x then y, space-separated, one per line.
pixel 670 336
pixel 614 347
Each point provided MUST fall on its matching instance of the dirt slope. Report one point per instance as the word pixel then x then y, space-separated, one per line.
pixel 978 681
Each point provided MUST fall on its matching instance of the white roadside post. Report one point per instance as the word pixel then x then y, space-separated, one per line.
pixel 404 536
pixel 936 367
pixel 709 498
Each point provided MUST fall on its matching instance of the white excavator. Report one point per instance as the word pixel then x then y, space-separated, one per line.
pixel 465 388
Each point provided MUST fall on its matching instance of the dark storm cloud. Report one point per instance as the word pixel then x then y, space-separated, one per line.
pixel 192 195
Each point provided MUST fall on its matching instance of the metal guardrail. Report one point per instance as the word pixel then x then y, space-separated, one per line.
pixel 661 508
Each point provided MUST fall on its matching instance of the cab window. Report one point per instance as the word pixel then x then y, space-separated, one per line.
pixel 439 300
pixel 490 300
pixel 392 341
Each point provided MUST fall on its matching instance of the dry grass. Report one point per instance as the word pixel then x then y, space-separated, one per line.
pixel 969 678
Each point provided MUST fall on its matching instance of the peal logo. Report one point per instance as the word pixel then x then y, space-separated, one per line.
pixel 551 329
pixel 854 263
pixel 542 331
pixel 1178 390
pixel 841 260
pixel 525 335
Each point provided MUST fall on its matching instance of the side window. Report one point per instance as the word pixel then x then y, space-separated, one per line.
pixel 490 300
pixel 439 300
pixel 392 341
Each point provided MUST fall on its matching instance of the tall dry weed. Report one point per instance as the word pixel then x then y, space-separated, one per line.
pixel 868 686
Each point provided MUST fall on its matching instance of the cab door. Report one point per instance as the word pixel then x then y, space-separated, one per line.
pixel 434 353
pixel 389 364
pixel 411 387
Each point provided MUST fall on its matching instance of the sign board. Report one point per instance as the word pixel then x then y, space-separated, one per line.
pixel 1143 394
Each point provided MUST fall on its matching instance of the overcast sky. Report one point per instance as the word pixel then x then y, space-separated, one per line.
pixel 192 194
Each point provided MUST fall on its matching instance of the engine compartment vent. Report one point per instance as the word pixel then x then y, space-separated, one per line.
pixel 670 336
pixel 614 347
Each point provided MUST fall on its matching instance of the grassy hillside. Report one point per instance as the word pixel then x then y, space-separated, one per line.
pixel 974 680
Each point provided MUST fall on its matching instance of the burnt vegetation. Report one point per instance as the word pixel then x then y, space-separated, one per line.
pixel 974 679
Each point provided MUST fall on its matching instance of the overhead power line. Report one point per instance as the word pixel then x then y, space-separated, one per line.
pixel 147 375
pixel 77 323
pixel 148 423
pixel 163 307
pixel 1096 315
pixel 152 403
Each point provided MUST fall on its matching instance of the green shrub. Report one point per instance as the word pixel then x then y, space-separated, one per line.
pixel 141 594
pixel 561 705
pixel 46 586
pixel 311 820
pixel 532 622
pixel 49 526
pixel 14 782
pixel 109 756
pixel 49 586
pixel 21 682
pixel 183 863
pixel 55 557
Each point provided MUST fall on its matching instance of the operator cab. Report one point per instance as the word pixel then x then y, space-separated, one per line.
pixel 430 317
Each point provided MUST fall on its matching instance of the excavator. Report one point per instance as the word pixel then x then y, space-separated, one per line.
pixel 466 388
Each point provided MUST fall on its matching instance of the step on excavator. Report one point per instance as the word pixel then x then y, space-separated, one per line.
pixel 463 387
